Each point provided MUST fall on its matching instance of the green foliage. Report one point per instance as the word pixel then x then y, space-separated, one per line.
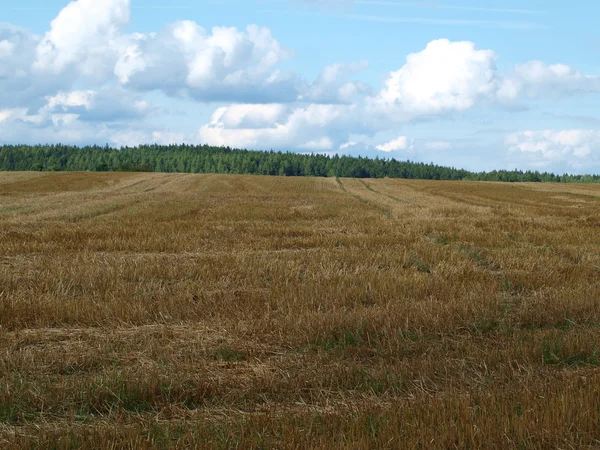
pixel 556 353
pixel 346 338
pixel 419 264
pixel 226 353
pixel 442 240
pixel 10 209
pixel 208 159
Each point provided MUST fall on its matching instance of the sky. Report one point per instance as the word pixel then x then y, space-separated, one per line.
pixel 500 84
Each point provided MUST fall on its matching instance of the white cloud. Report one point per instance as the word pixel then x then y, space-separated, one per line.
pixel 66 100
pixel 83 35
pixel 252 116
pixel 64 120
pixel 21 127
pixel 108 104
pixel 226 64
pixel 86 44
pixel 449 77
pixel 445 76
pixel 348 144
pixel 17 48
pixel 6 48
pixel 11 114
pixel 329 87
pixel 18 88
pixel 17 126
pixel 315 126
pixel 111 104
pixel 551 146
pixel 322 143
pixel 535 79
pixel 79 117
pixel 400 143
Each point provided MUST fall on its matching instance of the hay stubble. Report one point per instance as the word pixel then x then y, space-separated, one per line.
pixel 149 310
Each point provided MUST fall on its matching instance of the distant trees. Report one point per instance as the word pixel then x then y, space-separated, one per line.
pixel 209 159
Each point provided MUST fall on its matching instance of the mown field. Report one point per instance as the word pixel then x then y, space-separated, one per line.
pixel 223 311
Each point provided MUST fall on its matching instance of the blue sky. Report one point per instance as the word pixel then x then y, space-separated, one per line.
pixel 480 85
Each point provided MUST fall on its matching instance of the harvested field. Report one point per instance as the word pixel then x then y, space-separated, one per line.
pixel 223 311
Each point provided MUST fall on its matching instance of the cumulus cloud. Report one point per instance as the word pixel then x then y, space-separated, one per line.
pixel 400 143
pixel 535 79
pixel 83 37
pixel 250 116
pixel 17 49
pixel 18 86
pixel 348 144
pixel 445 76
pixel 314 127
pixel 17 126
pixel 78 117
pixel 225 64
pixel 67 100
pixel 331 87
pixel 323 143
pixel 6 48
pixel 107 105
pixel 449 77
pixel 12 114
pixel 86 44
pixel 552 146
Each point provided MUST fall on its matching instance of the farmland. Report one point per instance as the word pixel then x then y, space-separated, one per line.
pixel 231 311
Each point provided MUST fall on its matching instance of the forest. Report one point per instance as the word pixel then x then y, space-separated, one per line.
pixel 225 160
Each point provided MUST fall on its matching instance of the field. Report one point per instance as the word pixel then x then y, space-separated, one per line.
pixel 223 311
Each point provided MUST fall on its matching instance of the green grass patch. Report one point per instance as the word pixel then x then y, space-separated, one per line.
pixel 442 240
pixel 228 354
pixel 556 353
pixel 367 186
pixel 11 209
pixel 419 264
pixel 478 258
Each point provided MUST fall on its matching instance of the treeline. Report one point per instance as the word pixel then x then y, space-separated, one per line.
pixel 209 159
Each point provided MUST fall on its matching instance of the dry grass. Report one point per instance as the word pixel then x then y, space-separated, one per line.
pixel 207 311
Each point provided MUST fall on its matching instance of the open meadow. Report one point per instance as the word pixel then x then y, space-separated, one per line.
pixel 223 311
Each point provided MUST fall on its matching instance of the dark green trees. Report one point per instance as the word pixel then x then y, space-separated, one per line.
pixel 208 159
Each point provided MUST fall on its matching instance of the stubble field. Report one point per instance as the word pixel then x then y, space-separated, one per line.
pixel 213 311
